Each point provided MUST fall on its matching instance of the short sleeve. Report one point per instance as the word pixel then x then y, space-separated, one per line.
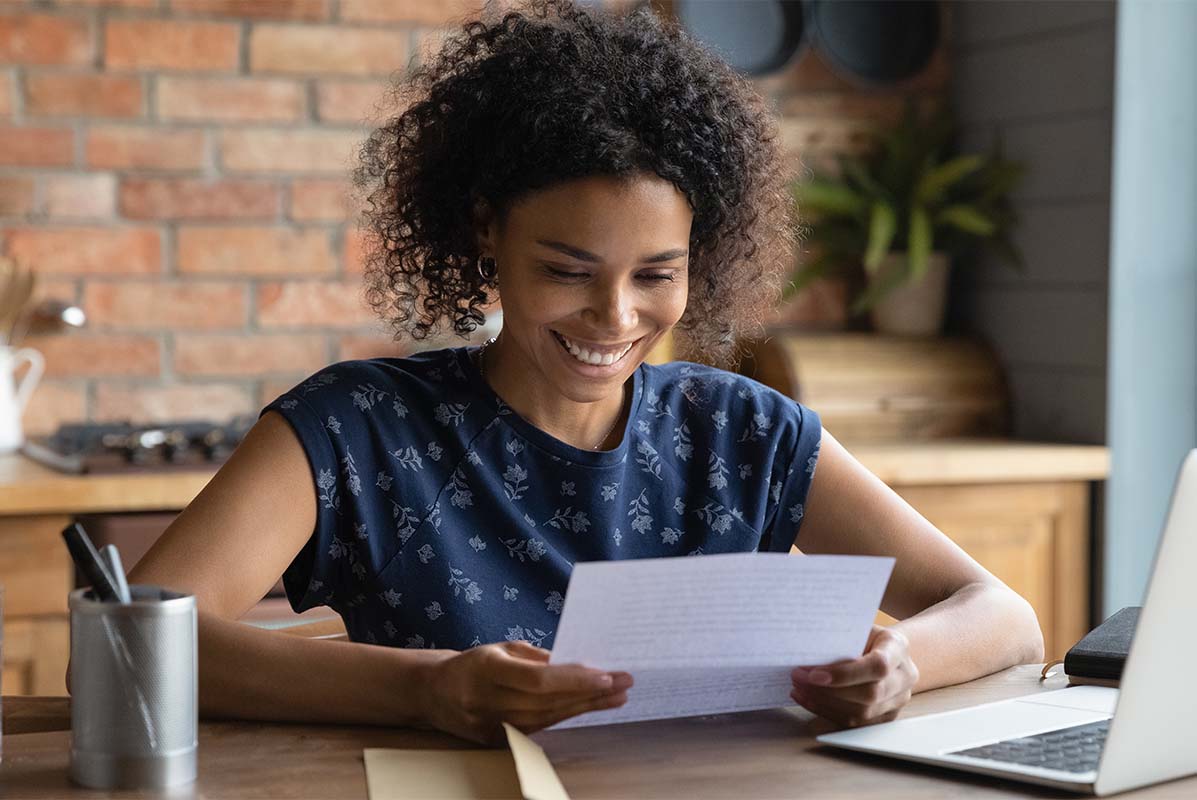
pixel 791 487
pixel 309 580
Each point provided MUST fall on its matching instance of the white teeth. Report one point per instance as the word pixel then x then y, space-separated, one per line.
pixel 596 359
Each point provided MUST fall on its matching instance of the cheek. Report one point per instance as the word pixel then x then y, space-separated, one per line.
pixel 670 309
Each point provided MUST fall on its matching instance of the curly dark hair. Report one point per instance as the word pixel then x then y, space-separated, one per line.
pixel 553 92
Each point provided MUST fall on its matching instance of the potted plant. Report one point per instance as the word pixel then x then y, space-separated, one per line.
pixel 902 211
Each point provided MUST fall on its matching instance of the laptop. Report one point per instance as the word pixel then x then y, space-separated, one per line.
pixel 1090 739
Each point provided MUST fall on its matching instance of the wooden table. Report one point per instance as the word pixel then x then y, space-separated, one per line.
pixel 763 754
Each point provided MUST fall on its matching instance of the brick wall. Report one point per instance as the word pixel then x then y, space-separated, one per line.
pixel 179 168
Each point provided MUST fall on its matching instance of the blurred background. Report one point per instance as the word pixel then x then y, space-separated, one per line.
pixel 175 176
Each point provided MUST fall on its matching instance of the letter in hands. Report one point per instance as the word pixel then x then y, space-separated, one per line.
pixel 472 693
pixel 860 691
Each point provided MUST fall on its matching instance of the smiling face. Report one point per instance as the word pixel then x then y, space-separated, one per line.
pixel 592 273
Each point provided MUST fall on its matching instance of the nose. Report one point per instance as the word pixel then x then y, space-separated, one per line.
pixel 612 309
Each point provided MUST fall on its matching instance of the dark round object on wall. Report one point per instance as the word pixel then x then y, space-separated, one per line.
pixel 879 41
pixel 754 36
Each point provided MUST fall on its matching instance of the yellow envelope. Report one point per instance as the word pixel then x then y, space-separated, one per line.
pixel 523 771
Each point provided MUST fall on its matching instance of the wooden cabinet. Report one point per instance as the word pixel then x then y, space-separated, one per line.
pixel 36 573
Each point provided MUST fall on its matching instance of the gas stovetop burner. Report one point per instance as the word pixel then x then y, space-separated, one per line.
pixel 124 447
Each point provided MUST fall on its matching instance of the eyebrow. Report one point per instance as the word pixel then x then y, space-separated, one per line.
pixel 585 255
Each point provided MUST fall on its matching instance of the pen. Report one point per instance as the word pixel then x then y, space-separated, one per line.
pixel 83 552
pixel 112 560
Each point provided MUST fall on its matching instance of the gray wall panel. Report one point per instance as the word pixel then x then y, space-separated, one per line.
pixel 994 22
pixel 1066 74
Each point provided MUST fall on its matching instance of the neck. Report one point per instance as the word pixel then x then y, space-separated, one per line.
pixel 594 425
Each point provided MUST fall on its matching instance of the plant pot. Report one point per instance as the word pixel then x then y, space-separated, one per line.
pixel 913 309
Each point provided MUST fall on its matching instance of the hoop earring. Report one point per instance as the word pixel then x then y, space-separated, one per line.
pixel 487 272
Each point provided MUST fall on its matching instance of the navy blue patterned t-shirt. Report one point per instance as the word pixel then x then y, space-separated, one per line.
pixel 447 520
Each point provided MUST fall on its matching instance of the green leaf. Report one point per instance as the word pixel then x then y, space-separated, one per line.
pixel 967 219
pixel 1009 253
pixel 880 286
pixel 883 223
pixel 999 178
pixel 808 273
pixel 856 170
pixel 936 181
pixel 828 197
pixel 918 249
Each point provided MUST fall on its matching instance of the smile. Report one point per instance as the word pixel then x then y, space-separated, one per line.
pixel 594 354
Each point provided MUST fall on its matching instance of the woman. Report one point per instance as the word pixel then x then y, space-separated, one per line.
pixel 611 181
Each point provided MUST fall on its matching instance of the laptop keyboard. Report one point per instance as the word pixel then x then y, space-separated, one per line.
pixel 1075 749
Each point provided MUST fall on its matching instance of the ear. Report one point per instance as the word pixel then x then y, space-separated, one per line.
pixel 484 226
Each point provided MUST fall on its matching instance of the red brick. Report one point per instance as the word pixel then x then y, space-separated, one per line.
pixel 326 49
pixel 198 198
pixel 44 39
pixel 41 147
pixel 269 389
pixel 80 196
pixel 356 242
pixel 110 3
pixel 86 250
pixel 56 288
pixel 357 346
pixel 428 12
pixel 6 93
pixel 353 102
pixel 176 306
pixel 254 251
pixel 73 355
pixel 248 356
pixel 289 151
pixel 166 44
pixel 429 42
pixel 74 95
pixel 321 199
pixel 310 10
pixel 145 148
pixel 166 403
pixel 52 404
pixel 16 195
pixel 225 100
pixel 313 304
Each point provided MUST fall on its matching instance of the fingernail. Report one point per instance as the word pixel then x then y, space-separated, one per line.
pixel 820 677
pixel 605 681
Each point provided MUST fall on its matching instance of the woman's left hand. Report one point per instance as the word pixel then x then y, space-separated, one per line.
pixel 861 691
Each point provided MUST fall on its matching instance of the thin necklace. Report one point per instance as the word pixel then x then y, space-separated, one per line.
pixel 482 372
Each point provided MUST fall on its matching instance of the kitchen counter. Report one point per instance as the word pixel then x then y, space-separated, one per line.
pixel 27 487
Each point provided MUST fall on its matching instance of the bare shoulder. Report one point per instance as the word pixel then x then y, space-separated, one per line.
pixel 236 537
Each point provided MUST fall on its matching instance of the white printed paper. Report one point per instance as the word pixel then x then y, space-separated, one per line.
pixel 718 633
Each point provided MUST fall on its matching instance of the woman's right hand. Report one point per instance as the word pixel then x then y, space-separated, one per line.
pixel 472 693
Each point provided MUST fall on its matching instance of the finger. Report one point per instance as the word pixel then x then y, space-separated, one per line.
pixel 530 676
pixel 537 721
pixel 869 668
pixel 832 705
pixel 506 699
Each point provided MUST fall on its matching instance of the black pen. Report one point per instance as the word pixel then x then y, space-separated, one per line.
pixel 88 560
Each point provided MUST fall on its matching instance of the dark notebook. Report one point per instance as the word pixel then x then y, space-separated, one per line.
pixel 1098 658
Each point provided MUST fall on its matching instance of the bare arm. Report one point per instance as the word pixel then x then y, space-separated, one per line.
pixel 228 548
pixel 961 622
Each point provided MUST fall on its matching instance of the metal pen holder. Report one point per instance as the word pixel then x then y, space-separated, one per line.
pixel 134 690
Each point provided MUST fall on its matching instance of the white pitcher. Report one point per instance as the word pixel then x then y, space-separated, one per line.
pixel 14 396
